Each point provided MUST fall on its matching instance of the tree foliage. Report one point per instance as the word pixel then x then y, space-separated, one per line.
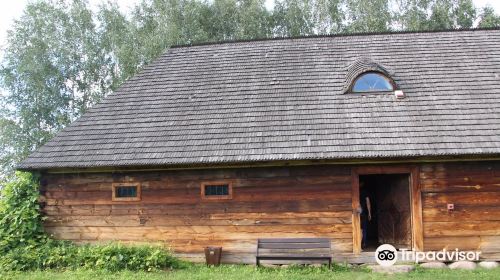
pixel 293 18
pixel 62 57
pixel 368 15
pixel 488 18
pixel 56 64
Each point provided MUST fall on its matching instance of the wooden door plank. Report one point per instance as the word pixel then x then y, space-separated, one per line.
pixel 356 223
pixel 416 210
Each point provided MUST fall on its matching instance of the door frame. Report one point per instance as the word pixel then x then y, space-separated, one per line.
pixel 415 202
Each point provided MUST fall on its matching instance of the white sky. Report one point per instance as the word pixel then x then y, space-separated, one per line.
pixel 11 9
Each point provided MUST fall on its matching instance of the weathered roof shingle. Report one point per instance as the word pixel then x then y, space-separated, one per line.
pixel 284 100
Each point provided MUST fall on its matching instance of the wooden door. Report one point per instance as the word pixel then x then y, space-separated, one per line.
pixel 417 235
pixel 394 214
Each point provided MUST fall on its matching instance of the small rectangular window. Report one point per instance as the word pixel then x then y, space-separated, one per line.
pixel 216 190
pixel 126 192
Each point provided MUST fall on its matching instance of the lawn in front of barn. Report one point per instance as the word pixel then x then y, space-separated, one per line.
pixel 242 272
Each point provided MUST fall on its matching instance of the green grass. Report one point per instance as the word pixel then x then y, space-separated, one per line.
pixel 241 272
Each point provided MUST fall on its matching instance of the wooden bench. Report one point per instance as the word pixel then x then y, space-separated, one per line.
pixel 294 249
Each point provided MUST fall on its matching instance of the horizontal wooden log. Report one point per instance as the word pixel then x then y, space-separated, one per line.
pixel 160 236
pixel 461 213
pixel 166 197
pixel 490 243
pixel 460 168
pixel 183 190
pixel 282 215
pixel 490 256
pixel 161 220
pixel 198 209
pixel 238 245
pixel 254 185
pixel 487 245
pixel 466 181
pixel 452 242
pixel 198 232
pixel 447 188
pixel 206 174
pixel 456 228
pixel 461 199
pixel 206 230
pixel 292 240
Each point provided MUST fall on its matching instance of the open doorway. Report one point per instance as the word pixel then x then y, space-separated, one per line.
pixel 386 211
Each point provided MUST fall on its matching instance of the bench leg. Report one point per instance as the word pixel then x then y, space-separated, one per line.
pixel 257 261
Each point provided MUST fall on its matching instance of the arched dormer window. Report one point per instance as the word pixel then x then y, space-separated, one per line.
pixel 372 82
pixel 367 76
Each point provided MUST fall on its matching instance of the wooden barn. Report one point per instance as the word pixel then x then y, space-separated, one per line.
pixel 223 144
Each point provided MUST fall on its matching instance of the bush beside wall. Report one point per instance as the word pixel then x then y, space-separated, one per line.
pixel 64 255
pixel 25 246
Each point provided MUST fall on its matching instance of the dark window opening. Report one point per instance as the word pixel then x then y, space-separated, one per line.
pixel 126 192
pixel 216 190
pixel 130 191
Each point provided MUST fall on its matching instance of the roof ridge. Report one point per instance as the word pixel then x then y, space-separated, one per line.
pixel 347 34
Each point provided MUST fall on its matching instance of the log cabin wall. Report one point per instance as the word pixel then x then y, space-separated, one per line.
pixel 474 224
pixel 300 201
pixel 310 201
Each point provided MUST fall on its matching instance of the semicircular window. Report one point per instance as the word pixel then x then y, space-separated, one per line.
pixel 372 82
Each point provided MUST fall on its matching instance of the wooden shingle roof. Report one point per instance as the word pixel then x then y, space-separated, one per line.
pixel 275 100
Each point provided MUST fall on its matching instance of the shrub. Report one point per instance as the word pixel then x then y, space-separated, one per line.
pixel 117 257
pixel 25 246
pixel 64 255
pixel 20 219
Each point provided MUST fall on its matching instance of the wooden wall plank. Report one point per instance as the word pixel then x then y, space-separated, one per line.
pixel 461 228
pixel 471 213
pixel 461 199
pixel 185 220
